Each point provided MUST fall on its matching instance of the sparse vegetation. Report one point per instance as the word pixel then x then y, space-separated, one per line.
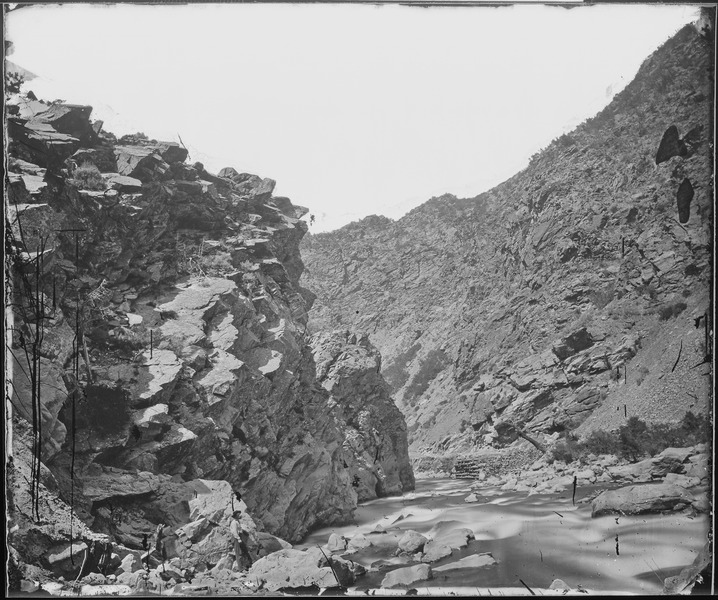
pixel 396 374
pixel 431 366
pixel 671 310
pixel 216 265
pixel 635 440
pixel 642 372
pixel 88 177
pixel 603 296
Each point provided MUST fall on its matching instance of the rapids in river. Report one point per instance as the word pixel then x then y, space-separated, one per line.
pixel 534 539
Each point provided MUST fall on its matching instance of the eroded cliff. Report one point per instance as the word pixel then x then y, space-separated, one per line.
pixel 160 357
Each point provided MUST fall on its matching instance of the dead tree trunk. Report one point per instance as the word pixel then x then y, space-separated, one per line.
pixel 538 445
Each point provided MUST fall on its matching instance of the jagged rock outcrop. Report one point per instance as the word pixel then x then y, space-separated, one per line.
pixel 570 297
pixel 160 351
pixel 376 446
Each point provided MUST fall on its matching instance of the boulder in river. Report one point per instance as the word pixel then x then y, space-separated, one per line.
pixel 336 543
pixel 434 551
pixel 560 584
pixel 358 542
pixel 474 561
pixel 637 499
pixel 454 538
pixel 406 576
pixel 412 541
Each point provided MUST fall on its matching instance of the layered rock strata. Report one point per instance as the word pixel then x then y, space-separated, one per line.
pixel 159 346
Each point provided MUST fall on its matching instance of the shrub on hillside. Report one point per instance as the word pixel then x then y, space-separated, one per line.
pixel 396 374
pixel 87 177
pixel 671 310
pixel 431 366
pixel 564 451
pixel 635 440
pixel 601 442
pixel 216 265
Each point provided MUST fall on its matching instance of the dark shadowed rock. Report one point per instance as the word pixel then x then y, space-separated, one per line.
pixel 571 344
pixel 170 152
pixel 683 199
pixel 671 145
pixel 71 119
pixel 140 162
pixel 269 543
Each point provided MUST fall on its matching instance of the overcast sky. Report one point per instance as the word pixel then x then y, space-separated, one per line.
pixel 353 109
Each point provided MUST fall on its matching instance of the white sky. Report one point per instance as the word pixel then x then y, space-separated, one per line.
pixel 353 109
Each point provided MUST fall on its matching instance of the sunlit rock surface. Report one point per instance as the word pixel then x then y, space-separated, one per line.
pixel 376 446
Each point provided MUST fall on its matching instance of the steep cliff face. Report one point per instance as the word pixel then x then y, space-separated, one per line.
pixel 348 367
pixel 576 288
pixel 159 348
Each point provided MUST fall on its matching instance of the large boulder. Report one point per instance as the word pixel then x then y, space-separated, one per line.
pixel 637 499
pixel 639 471
pixel 671 460
pixel 406 576
pixel 412 541
pixel 140 163
pixel 295 569
pixel 269 543
pixel 697 466
pixel 112 483
pixel 358 542
pixel 454 538
pixel 434 551
pixel 70 119
pixel 473 561
pixel 336 543
pixel 573 343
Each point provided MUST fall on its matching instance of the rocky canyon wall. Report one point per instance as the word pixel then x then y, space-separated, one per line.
pixel 570 297
pixel 160 356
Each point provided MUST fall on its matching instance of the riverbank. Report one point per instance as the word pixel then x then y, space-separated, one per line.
pixel 526 529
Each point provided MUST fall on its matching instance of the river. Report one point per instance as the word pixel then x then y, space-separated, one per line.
pixel 534 539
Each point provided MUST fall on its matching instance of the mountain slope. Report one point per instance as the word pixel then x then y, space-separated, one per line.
pixel 567 291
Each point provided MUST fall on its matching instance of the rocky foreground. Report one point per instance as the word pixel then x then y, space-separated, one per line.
pixel 393 556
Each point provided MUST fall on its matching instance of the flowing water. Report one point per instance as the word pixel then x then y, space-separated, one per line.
pixel 534 539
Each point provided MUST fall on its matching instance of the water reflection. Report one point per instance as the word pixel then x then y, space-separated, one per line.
pixel 535 538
